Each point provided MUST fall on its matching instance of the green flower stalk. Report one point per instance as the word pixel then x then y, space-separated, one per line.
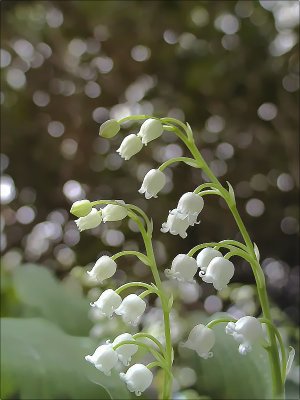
pixel 212 266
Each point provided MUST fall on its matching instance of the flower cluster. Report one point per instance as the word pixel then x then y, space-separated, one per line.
pixel 247 331
pixel 211 265
pixel 131 308
pixel 107 357
pixel 151 129
pixel 90 217
pixel 214 268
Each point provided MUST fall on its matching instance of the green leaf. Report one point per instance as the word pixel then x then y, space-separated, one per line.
pixel 229 375
pixel 193 164
pixel 189 132
pixel 40 361
pixel 143 258
pixel 256 251
pixel 46 297
pixel 231 193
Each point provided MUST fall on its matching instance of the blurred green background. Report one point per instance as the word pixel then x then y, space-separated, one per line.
pixel 229 68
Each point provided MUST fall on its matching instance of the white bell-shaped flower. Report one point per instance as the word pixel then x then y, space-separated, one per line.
pixel 205 256
pixel 246 331
pixel 177 223
pixel 183 268
pixel 201 339
pixel 153 182
pixel 219 272
pixel 113 212
pixel 104 268
pixel 137 378
pixel 190 204
pixel 126 351
pixel 151 129
pixel 90 221
pixel 81 208
pixel 130 146
pixel 131 309
pixel 108 302
pixel 104 358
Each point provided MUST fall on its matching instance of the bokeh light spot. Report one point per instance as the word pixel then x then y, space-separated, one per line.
pixel 255 207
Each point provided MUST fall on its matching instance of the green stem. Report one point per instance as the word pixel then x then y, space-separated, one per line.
pixel 150 337
pixel 174 160
pixel 155 353
pixel 228 244
pixel 219 321
pixel 166 395
pixel 135 118
pixel 153 364
pixel 281 344
pixel 277 382
pixel 138 254
pixel 136 284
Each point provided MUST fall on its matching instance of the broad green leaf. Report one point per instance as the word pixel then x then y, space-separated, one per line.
pixel 46 297
pixel 40 361
pixel 229 375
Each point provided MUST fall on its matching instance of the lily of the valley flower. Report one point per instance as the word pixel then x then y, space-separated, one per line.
pixel 247 331
pixel 109 128
pixel 177 223
pixel 138 378
pixel 89 221
pixel 219 272
pixel 201 339
pixel 104 268
pixel 81 208
pixel 131 309
pixel 130 146
pixel 205 256
pixel 150 130
pixel 190 204
pixel 153 182
pixel 183 268
pixel 126 351
pixel 108 302
pixel 113 212
pixel 104 358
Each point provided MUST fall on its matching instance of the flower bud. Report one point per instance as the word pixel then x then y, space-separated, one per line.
pixel 81 208
pixel 130 146
pixel 247 331
pixel 177 224
pixel 109 128
pixel 201 339
pixel 219 272
pixel 90 221
pixel 190 204
pixel 183 268
pixel 104 358
pixel 126 351
pixel 108 302
pixel 131 309
pixel 104 268
pixel 151 129
pixel 138 378
pixel 205 256
pixel 113 212
pixel 153 182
